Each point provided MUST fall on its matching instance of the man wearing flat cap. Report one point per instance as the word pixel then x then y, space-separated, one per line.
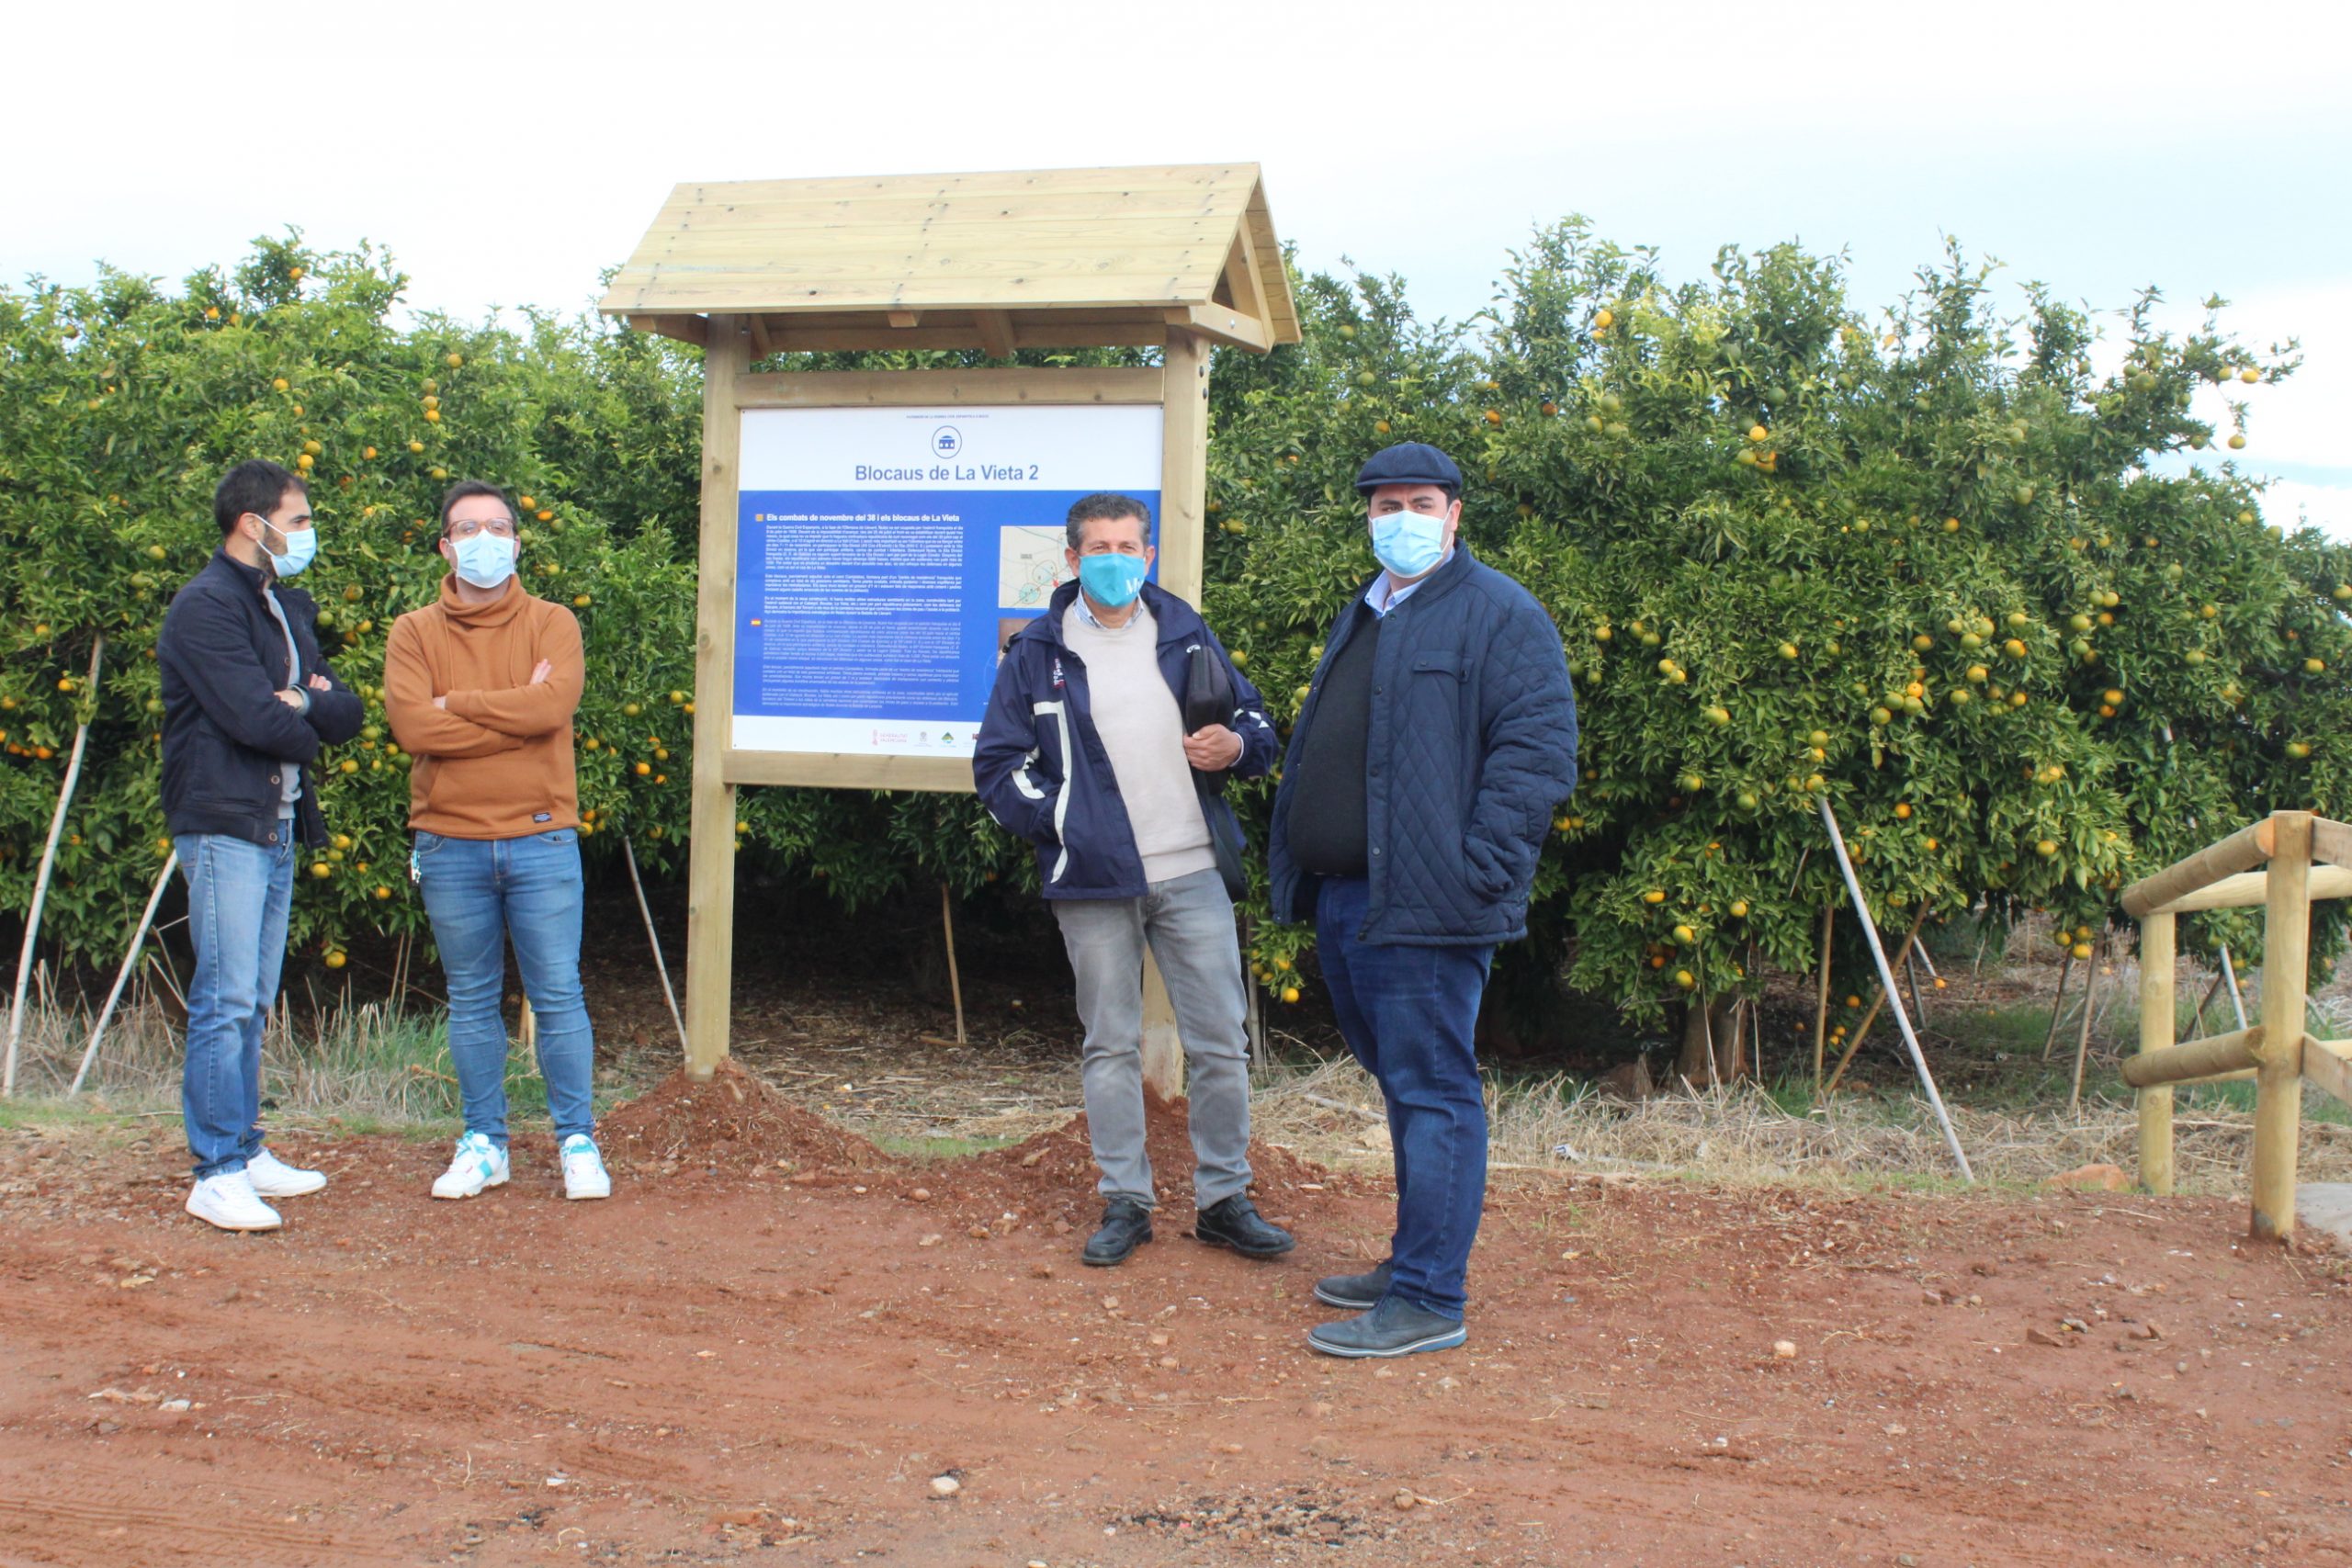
pixel 1438 739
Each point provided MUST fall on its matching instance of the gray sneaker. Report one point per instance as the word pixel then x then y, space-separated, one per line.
pixel 1394 1327
pixel 1357 1292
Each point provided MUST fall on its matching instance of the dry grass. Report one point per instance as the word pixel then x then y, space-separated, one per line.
pixel 363 1063
pixel 1740 1134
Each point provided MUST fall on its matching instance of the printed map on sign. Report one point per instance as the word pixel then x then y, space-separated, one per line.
pixel 1029 567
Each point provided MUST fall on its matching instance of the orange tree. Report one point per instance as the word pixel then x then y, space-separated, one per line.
pixel 1927 566
pixel 120 406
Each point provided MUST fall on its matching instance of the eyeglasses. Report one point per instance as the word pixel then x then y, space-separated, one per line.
pixel 501 526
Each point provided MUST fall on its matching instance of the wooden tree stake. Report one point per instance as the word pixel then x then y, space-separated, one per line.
pixel 1886 979
pixel 629 853
pixel 41 879
pixel 1821 1012
pixel 1870 1015
pixel 2082 1040
pixel 122 975
pixel 2058 1002
pixel 955 983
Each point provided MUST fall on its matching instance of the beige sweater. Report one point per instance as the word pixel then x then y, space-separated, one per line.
pixel 1143 731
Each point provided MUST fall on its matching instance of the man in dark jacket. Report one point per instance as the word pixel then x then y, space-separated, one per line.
pixel 247 702
pixel 1439 735
pixel 1087 753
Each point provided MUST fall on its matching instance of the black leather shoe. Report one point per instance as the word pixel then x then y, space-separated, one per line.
pixel 1127 1224
pixel 1357 1292
pixel 1233 1221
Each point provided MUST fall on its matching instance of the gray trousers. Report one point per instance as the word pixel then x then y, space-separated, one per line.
pixel 1189 923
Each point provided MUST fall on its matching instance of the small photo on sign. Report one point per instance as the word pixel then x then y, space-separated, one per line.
pixel 1007 628
pixel 1029 566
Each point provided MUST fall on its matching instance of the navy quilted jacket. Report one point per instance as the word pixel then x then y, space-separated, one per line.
pixel 1473 744
pixel 1040 768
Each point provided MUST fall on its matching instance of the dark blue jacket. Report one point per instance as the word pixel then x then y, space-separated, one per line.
pixel 1040 767
pixel 227 737
pixel 1472 745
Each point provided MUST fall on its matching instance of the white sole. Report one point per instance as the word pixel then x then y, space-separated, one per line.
pixel 1430 1342
pixel 587 1197
pixel 452 1197
pixel 220 1225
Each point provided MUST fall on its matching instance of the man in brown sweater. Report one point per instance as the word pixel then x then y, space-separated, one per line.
pixel 481 685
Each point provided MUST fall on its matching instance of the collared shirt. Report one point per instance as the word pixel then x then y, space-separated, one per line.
pixel 1086 609
pixel 1382 600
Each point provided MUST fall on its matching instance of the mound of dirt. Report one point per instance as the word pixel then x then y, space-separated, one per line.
pixel 733 1121
pixel 1062 1160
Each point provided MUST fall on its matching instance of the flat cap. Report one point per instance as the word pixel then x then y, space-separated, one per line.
pixel 1407 463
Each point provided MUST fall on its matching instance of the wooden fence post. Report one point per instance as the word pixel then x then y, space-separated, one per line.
pixel 2278 1062
pixel 2155 1034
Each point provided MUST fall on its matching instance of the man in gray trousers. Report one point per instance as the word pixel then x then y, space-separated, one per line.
pixel 1085 752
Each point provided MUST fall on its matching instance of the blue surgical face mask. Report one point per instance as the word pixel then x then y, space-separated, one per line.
pixel 1408 543
pixel 300 550
pixel 1112 579
pixel 486 559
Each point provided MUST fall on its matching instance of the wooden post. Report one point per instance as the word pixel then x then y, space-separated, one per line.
pixel 710 881
pixel 955 982
pixel 1821 1009
pixel 2278 1065
pixel 2156 1033
pixel 1183 502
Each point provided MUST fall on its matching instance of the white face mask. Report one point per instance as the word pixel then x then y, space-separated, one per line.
pixel 486 559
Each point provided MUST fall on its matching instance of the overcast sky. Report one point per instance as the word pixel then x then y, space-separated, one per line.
pixel 506 153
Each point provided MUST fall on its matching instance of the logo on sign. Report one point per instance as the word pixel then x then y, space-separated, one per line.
pixel 946 441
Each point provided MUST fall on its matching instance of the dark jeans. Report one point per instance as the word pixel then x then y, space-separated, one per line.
pixel 239 896
pixel 1408 1014
pixel 480 893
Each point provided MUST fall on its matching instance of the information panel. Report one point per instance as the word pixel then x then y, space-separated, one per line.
pixel 885 555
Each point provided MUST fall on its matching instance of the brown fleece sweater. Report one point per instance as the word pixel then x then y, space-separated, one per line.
pixel 495 761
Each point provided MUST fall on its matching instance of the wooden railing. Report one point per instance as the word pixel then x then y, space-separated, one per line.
pixel 2283 863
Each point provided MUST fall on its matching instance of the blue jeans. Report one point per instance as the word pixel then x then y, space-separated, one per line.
pixel 479 893
pixel 237 896
pixel 1408 1014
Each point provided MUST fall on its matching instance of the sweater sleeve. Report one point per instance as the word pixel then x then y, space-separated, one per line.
pixel 417 725
pixel 529 711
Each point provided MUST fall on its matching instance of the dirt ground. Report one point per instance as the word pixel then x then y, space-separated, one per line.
pixel 775 1344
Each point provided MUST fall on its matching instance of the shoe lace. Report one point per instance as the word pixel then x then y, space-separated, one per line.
pixel 578 1150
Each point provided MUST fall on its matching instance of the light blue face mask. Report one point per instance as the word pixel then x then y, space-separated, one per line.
pixel 486 559
pixel 1112 579
pixel 1408 543
pixel 301 550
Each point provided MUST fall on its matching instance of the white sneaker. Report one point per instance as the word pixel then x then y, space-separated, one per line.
pixel 229 1201
pixel 583 1168
pixel 479 1163
pixel 273 1178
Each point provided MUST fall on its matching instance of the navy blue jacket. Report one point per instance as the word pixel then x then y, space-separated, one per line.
pixel 1472 745
pixel 1040 767
pixel 227 737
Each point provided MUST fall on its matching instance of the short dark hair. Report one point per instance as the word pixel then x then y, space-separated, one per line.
pixel 1105 506
pixel 256 485
pixel 464 488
